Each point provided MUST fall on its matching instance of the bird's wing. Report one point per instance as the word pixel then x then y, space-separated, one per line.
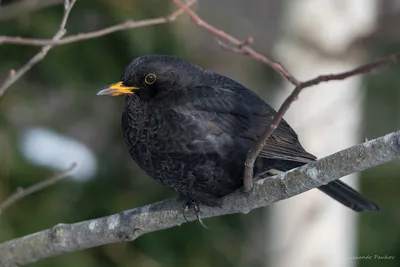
pixel 238 111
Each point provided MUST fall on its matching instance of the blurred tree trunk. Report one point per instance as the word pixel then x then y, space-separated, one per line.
pixel 319 38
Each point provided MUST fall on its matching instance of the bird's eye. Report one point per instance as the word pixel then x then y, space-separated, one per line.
pixel 150 78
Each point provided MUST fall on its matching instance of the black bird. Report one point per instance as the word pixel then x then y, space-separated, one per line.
pixel 191 129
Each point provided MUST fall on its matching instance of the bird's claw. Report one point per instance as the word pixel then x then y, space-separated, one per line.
pixel 196 208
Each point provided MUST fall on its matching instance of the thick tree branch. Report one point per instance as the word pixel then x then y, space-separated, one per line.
pixel 242 47
pixel 129 225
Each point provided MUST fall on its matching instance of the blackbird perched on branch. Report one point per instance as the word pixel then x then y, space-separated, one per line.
pixel 191 129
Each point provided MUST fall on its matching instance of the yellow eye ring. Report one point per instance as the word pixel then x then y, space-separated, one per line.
pixel 150 78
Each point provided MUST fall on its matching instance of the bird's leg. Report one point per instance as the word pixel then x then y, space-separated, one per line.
pixel 197 212
pixel 196 208
pixel 185 210
pixel 187 202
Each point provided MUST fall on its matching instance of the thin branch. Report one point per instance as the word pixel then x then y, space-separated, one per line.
pixel 21 192
pixel 127 25
pixel 242 45
pixel 58 40
pixel 257 147
pixel 25 6
pixel 364 69
pixel 243 48
pixel 129 225
pixel 16 75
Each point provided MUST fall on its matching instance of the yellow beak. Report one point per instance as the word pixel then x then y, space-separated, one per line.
pixel 117 89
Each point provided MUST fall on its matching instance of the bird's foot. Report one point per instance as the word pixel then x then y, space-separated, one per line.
pixel 196 208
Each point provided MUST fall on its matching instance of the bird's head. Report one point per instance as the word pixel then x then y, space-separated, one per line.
pixel 153 75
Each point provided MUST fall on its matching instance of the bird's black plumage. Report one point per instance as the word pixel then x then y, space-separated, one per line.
pixel 191 129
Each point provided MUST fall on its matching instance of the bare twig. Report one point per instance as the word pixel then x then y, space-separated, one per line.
pixel 58 40
pixel 367 68
pixel 242 45
pixel 258 146
pixel 243 48
pixel 129 225
pixel 127 25
pixel 21 192
pixel 25 6
pixel 68 5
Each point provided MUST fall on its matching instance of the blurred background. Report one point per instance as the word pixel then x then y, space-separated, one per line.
pixel 52 118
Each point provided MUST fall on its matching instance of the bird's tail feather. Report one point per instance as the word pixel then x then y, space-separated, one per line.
pixel 348 196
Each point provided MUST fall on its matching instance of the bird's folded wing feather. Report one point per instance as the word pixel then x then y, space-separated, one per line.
pixel 238 111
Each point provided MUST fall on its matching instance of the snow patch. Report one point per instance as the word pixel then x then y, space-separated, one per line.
pixel 92 225
pixel 113 221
